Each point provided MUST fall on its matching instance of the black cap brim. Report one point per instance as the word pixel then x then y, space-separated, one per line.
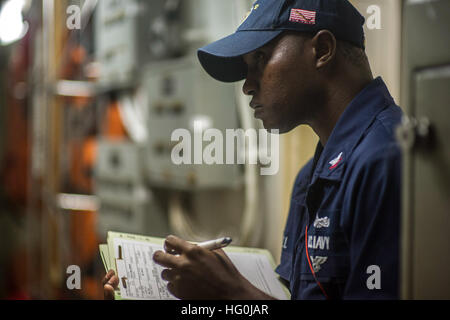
pixel 223 60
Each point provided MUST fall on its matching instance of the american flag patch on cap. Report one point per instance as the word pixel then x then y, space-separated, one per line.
pixel 303 16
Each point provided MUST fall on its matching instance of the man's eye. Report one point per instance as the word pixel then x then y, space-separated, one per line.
pixel 259 56
pixel 257 60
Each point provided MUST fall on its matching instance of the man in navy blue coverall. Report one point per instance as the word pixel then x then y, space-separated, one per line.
pixel 304 63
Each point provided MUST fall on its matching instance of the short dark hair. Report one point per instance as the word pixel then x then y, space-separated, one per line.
pixel 353 54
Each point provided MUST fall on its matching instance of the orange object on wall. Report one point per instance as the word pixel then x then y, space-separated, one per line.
pixel 84 237
pixel 83 157
pixel 113 127
pixel 17 146
pixel 15 170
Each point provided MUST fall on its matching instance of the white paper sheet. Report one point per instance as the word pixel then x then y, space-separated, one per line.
pixel 139 276
pixel 258 270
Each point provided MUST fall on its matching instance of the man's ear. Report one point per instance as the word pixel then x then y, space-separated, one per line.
pixel 324 46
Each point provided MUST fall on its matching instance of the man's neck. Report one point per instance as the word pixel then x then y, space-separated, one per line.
pixel 338 97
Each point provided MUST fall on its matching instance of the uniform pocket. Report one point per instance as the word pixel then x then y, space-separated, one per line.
pixel 327 247
pixel 284 269
pixel 290 237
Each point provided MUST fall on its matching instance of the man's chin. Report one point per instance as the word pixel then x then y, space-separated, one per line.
pixel 277 129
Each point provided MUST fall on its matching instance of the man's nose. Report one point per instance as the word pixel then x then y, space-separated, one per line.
pixel 249 86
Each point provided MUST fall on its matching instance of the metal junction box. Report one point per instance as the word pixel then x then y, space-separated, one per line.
pixel 126 204
pixel 122 37
pixel 179 93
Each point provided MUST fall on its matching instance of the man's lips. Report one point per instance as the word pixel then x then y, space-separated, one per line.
pixel 255 105
pixel 258 109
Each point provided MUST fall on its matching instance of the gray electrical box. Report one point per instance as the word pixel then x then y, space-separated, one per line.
pixel 119 162
pixel 179 94
pixel 423 135
pixel 130 33
pixel 126 204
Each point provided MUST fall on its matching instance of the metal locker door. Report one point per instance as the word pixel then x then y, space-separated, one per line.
pixel 424 135
pixel 430 196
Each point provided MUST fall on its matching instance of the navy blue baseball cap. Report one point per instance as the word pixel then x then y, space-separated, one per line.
pixel 223 60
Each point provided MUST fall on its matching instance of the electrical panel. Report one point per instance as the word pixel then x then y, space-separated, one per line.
pixel 181 94
pixel 126 204
pixel 129 33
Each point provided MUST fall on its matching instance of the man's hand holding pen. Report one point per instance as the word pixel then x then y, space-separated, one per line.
pixel 199 271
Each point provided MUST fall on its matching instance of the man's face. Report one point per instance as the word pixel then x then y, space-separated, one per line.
pixel 281 79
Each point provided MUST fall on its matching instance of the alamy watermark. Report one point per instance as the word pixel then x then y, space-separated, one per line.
pixel 373 21
pixel 74 279
pixel 374 280
pixel 237 146
pixel 73 21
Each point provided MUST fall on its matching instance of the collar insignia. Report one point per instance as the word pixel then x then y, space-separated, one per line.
pixel 335 162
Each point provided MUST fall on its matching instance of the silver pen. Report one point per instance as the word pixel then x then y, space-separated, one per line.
pixel 208 245
pixel 215 244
